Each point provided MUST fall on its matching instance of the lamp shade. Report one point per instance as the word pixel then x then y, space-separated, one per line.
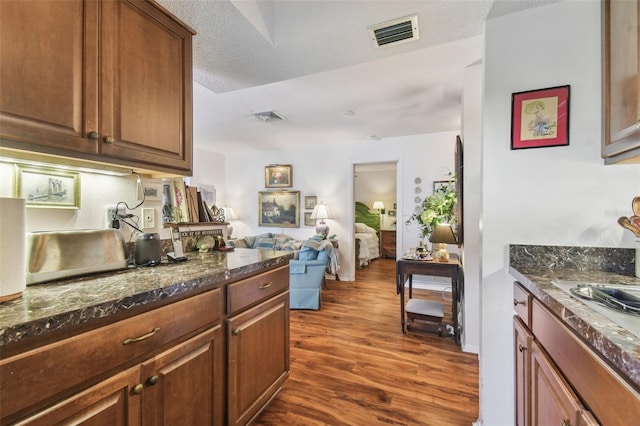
pixel 378 205
pixel 228 213
pixel 321 211
pixel 443 233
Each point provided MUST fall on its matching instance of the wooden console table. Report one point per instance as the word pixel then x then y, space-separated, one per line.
pixel 405 269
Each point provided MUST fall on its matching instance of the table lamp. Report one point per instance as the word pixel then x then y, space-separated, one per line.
pixel 228 216
pixel 321 211
pixel 442 235
pixel 379 205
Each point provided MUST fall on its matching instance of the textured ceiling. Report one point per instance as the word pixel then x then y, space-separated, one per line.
pixel 312 60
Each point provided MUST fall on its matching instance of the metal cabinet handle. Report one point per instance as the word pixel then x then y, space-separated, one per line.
pixel 518 302
pixel 236 332
pixel 109 139
pixel 94 136
pixel 143 337
pixel 137 389
pixel 265 285
pixel 522 348
pixel 153 380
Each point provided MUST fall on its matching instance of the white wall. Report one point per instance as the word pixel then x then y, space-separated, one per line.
pixel 548 196
pixel 472 189
pixel 429 157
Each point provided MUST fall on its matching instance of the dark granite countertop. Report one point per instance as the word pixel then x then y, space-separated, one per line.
pixel 535 269
pixel 51 308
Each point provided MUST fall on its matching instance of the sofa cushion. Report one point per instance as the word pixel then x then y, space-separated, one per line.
pixel 307 253
pixel 265 242
pixel 253 239
pixel 323 256
pixel 238 243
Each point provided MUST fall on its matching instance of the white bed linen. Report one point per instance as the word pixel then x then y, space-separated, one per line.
pixel 369 247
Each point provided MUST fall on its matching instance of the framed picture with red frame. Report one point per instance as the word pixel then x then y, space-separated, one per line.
pixel 540 118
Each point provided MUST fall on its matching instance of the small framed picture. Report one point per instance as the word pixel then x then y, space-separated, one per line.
pixel 391 213
pixel 47 187
pixel 277 176
pixel 440 185
pixel 310 202
pixel 153 191
pixel 540 118
pixel 307 219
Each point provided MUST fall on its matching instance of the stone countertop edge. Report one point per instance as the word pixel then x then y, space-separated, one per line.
pixel 617 346
pixel 46 308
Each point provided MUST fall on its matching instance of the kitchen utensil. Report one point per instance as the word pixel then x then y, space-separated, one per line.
pixel 53 255
pixel 635 205
pixel 625 222
pixel 147 249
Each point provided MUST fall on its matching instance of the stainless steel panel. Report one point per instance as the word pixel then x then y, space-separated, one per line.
pixel 54 255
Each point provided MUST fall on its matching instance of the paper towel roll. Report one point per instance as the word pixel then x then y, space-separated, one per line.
pixel 12 248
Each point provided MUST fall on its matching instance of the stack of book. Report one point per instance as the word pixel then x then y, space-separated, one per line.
pixel 185 204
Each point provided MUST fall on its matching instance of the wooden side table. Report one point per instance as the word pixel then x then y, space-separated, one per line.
pixel 387 243
pixel 405 269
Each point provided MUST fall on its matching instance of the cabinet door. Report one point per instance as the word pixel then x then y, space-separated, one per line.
pixel 146 87
pixel 522 355
pixel 621 72
pixel 552 400
pixel 258 357
pixel 109 403
pixel 48 77
pixel 185 384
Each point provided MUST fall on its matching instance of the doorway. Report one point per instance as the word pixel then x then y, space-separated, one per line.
pixel 377 182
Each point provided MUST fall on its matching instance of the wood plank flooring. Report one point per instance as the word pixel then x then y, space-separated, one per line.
pixel 351 364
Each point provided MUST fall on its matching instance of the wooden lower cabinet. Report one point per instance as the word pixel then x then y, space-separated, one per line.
pixel 552 400
pixel 258 357
pixel 522 357
pixel 185 384
pixel 109 403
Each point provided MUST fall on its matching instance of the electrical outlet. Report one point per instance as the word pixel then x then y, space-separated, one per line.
pixel 148 218
pixel 112 217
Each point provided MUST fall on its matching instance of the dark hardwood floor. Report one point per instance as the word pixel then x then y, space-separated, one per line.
pixel 351 364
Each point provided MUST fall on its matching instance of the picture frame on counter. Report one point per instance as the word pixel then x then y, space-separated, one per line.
pixel 47 187
pixel 540 118
pixel 278 176
pixel 280 209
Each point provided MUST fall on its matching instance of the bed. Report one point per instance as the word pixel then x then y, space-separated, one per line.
pixel 367 231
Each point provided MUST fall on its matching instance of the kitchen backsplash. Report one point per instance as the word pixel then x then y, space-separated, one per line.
pixel 618 260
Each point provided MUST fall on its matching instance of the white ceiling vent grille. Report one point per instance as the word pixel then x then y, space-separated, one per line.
pixel 269 116
pixel 398 31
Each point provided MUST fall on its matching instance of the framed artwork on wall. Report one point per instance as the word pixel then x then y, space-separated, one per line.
pixel 540 118
pixel 310 202
pixel 307 219
pixel 47 187
pixel 279 209
pixel 278 176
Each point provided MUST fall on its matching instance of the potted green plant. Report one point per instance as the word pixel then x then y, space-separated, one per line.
pixel 437 208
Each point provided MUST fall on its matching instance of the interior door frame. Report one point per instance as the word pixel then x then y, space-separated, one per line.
pixel 352 200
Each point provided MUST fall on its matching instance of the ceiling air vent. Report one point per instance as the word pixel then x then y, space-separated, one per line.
pixel 398 31
pixel 269 116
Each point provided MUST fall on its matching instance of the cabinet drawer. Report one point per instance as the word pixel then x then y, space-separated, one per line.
pixel 605 393
pixel 522 303
pixel 252 290
pixel 40 375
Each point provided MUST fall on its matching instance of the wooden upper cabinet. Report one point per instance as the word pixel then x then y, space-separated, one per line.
pixel 107 81
pixel 621 81
pixel 146 81
pixel 48 75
